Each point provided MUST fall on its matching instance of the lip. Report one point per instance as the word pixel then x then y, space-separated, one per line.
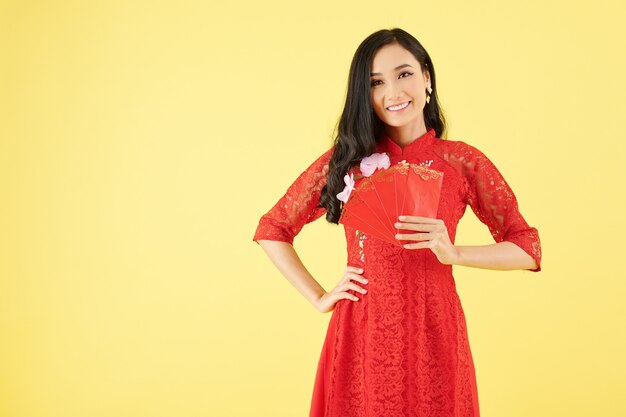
pixel 396 111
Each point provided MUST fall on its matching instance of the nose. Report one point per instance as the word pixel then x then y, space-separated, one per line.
pixel 393 91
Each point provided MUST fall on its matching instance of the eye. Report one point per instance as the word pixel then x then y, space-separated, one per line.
pixel 375 82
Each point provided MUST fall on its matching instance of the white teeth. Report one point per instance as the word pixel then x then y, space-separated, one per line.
pixel 398 107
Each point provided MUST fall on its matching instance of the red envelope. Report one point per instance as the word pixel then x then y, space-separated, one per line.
pixel 402 189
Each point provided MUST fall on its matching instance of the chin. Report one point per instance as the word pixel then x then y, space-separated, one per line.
pixel 399 121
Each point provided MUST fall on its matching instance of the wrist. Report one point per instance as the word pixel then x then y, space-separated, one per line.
pixel 317 300
pixel 458 255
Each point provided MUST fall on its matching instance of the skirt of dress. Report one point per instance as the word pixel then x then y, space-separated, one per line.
pixel 401 350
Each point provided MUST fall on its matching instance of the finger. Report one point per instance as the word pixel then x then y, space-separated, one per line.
pixel 348 276
pixel 416 245
pixel 354 276
pixel 348 295
pixel 348 286
pixel 355 287
pixel 418 219
pixel 359 278
pixel 354 269
pixel 412 236
pixel 422 227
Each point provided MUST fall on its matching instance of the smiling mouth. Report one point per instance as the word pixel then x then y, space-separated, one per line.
pixel 399 107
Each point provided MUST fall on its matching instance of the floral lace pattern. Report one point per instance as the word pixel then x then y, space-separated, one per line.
pixel 298 206
pixel 402 349
pixel 492 199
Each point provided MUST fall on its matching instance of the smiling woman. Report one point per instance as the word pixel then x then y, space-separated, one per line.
pixel 400 347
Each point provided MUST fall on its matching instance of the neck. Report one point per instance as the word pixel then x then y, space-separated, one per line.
pixel 404 135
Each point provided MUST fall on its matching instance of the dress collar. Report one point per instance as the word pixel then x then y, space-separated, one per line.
pixel 385 143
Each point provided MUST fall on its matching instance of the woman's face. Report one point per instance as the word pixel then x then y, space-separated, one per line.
pixel 397 79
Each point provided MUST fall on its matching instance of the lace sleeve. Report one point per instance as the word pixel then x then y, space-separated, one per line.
pixel 298 206
pixel 494 203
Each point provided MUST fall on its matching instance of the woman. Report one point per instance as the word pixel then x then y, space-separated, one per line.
pixel 397 341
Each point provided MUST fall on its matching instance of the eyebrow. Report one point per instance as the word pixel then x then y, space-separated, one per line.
pixel 396 69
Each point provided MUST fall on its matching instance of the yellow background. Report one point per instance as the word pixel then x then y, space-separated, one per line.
pixel 140 142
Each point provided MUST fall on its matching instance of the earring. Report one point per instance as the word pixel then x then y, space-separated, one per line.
pixel 430 90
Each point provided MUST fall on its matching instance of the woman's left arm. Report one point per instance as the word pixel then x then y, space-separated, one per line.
pixel 502 256
pixel 491 198
pixel 433 234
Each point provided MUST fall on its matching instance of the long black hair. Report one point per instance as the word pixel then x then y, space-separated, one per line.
pixel 359 126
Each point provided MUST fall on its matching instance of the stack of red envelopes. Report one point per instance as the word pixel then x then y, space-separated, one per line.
pixel 402 189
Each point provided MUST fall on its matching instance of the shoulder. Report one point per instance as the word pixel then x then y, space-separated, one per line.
pixel 321 161
pixel 457 145
pixel 458 151
pixel 324 159
pixel 328 153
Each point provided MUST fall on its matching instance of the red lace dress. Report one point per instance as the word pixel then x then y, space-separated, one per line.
pixel 402 349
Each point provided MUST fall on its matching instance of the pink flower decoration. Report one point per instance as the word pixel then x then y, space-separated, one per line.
pixel 369 164
pixel 349 180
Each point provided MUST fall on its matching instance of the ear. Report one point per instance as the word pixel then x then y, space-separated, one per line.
pixel 426 76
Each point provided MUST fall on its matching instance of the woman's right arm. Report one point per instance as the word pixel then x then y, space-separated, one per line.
pixel 279 226
pixel 284 257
